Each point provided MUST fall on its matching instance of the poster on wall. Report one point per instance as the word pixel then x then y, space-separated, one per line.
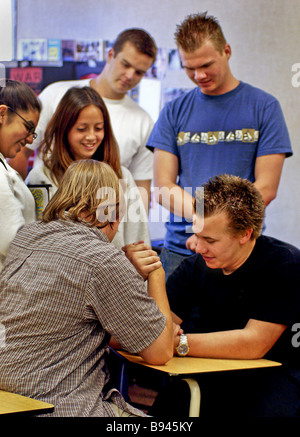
pixel 82 50
pixel 54 49
pixel 68 49
pixel 32 76
pixel 87 51
pixel 32 49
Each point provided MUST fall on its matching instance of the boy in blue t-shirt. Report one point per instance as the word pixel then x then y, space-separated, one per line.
pixel 221 126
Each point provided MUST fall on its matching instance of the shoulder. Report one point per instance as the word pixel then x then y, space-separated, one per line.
pixel 3 170
pixel 278 251
pixel 61 87
pixel 257 93
pixel 74 240
pixel 126 174
pixel 8 174
pixel 5 180
pixel 109 263
pixel 192 265
pixel 129 104
pixel 39 175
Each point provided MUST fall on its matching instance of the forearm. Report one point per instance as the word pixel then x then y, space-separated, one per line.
pixel 251 342
pixel 268 192
pixel 161 350
pixel 226 344
pixel 167 192
pixel 157 290
pixel 175 199
pixel 145 187
pixel 267 175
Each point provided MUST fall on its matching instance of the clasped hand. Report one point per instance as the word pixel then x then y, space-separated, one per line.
pixel 144 259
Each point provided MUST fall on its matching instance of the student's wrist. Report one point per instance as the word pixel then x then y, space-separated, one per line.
pixel 159 273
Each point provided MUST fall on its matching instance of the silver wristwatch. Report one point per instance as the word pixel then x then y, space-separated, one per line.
pixel 183 346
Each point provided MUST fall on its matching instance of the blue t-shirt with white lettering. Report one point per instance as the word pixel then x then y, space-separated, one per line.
pixel 213 135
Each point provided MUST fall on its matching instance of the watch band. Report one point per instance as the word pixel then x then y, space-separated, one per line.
pixel 183 346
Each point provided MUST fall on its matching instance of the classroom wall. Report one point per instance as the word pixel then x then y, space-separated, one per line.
pixel 265 40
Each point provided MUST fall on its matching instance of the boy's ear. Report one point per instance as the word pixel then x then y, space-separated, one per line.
pixel 110 54
pixel 246 237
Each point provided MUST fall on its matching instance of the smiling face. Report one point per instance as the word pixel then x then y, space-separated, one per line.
pixel 125 70
pixel 14 130
pixel 218 246
pixel 87 133
pixel 208 68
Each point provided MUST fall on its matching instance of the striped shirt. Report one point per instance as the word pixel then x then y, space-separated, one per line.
pixel 64 290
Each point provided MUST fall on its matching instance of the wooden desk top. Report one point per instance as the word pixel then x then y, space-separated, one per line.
pixel 13 403
pixel 188 365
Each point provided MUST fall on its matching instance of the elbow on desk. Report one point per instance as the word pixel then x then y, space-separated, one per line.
pixel 157 359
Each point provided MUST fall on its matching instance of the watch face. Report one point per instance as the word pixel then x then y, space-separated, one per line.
pixel 182 349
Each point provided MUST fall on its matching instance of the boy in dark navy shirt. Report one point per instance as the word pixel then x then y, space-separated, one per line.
pixel 239 297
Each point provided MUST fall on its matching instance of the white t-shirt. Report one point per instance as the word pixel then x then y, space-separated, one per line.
pixel 17 206
pixel 130 123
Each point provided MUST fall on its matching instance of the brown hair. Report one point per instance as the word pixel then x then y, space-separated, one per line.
pixel 57 154
pixel 89 191
pixel 18 96
pixel 238 198
pixel 140 39
pixel 197 29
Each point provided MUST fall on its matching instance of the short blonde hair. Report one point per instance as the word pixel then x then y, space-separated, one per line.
pixel 89 190
pixel 196 29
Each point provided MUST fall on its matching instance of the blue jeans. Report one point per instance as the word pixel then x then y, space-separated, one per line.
pixel 170 260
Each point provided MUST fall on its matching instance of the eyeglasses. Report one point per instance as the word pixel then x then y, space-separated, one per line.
pixel 29 125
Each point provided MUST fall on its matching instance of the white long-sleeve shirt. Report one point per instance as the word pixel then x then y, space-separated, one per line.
pixel 17 206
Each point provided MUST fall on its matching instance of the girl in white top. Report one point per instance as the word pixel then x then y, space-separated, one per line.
pixel 19 115
pixel 80 129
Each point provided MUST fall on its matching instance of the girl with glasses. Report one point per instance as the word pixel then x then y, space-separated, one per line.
pixel 19 115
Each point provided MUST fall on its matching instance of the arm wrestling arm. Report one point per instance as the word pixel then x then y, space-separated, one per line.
pixel 148 264
pixel 267 174
pixel 252 342
pixel 144 186
pixel 167 192
pixel 161 350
